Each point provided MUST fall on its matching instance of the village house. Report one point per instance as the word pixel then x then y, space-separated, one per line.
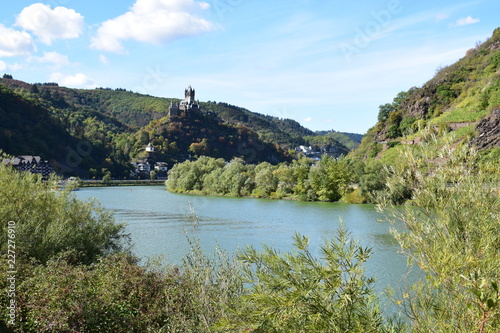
pixel 29 163
pixel 161 166
pixel 144 167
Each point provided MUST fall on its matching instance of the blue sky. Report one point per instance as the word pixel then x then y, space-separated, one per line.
pixel 327 64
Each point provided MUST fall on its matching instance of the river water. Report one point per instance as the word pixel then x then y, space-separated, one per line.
pixel 159 223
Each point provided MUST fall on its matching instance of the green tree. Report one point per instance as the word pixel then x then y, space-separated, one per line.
pixel 265 180
pixel 234 177
pixel 190 175
pixel 212 184
pixel 286 180
pixel 384 111
pixel 106 178
pixel 301 170
pixel 329 178
pixel 199 148
pixel 372 180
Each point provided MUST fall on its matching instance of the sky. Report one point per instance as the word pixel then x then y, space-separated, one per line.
pixel 326 64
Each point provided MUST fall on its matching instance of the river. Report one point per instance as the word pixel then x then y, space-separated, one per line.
pixel 159 223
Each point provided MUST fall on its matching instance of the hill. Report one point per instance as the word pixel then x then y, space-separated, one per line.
pixel 41 122
pixel 114 126
pixel 349 140
pixel 117 124
pixel 463 97
pixel 29 128
pixel 136 110
pixel 285 132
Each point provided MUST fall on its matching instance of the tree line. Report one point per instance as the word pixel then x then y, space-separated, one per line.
pixel 325 180
pixel 329 179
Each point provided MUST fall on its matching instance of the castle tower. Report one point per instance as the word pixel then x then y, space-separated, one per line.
pixel 189 103
pixel 189 95
pixel 173 110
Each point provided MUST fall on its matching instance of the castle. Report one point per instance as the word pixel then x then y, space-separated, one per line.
pixel 188 104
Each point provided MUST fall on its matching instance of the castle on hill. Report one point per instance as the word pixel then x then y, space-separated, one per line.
pixel 188 104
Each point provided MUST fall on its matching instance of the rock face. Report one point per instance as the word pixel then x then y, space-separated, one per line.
pixel 418 104
pixel 488 131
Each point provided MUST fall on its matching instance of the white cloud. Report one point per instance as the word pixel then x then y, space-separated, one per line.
pixel 15 43
pixel 15 67
pixel 154 22
pixel 3 65
pixel 56 59
pixel 50 24
pixel 466 20
pixel 308 119
pixel 442 16
pixel 103 59
pixel 79 80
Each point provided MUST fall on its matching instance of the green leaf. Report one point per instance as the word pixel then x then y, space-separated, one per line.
pixel 477 293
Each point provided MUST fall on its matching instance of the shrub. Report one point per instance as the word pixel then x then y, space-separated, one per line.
pixel 354 197
pixel 49 221
pixel 115 294
pixel 296 292
pixel 406 125
pixel 452 233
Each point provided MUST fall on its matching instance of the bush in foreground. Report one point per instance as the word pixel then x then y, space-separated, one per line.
pixel 49 221
pixel 297 292
pixel 452 233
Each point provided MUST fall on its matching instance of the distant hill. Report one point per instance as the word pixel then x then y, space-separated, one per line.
pixel 284 132
pixel 463 97
pixel 349 140
pixel 131 109
pixel 117 124
pixel 136 110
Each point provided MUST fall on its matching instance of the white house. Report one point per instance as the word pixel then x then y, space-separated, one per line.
pixel 150 148
pixel 161 166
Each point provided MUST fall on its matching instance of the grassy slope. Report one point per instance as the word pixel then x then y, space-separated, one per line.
pixel 455 99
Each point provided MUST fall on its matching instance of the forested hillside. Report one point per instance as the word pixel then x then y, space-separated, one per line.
pixel 103 130
pixel 114 126
pixel 349 140
pixel 285 132
pixel 28 127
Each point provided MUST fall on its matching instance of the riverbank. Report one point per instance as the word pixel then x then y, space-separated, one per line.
pixel 353 196
pixel 131 182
